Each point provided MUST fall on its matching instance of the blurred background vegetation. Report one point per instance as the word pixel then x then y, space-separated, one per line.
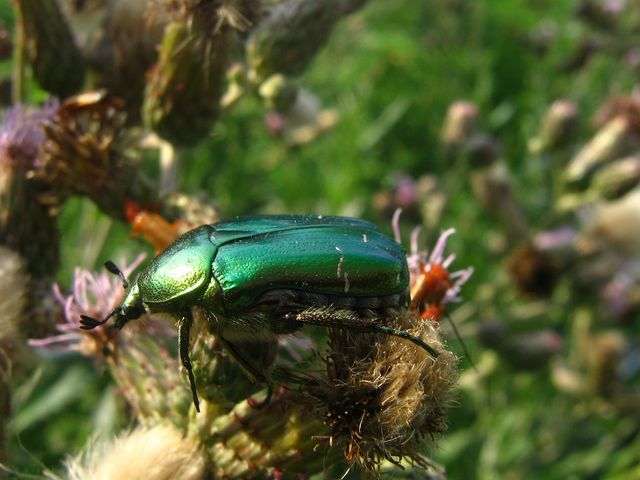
pixel 555 389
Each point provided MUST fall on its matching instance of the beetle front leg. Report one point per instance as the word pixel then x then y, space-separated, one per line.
pixel 184 328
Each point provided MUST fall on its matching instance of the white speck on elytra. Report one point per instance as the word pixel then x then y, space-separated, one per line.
pixel 340 262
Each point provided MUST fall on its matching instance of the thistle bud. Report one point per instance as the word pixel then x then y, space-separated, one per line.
pixel 530 351
pixel 278 93
pixel 57 62
pixel 605 353
pixel 180 114
pixel 432 200
pixel 542 37
pixel 481 151
pixel 294 31
pixel 559 127
pixel 195 209
pixel 459 125
pixel 604 14
pixel 621 297
pixel 493 188
pixel 615 139
pixel 406 193
pixel 617 178
pixel 493 333
pixel 120 41
pixel 6 44
pixel 298 116
pixel 185 88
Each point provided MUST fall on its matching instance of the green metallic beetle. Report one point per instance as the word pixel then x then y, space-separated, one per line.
pixel 259 277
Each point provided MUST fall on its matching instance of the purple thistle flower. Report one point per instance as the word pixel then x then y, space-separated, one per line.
pixel 95 295
pixel 22 134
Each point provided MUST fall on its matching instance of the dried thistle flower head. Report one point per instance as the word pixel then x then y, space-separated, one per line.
pixel 161 452
pixel 383 398
pixel 87 152
pixel 626 106
pixel 534 271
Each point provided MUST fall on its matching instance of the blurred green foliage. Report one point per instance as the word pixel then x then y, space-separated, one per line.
pixel 392 71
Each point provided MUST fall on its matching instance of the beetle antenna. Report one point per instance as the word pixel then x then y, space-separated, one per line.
pixel 113 268
pixel 89 323
pixel 457 334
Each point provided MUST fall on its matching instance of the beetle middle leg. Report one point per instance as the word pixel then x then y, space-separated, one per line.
pixel 255 373
pixel 184 328
pixel 347 319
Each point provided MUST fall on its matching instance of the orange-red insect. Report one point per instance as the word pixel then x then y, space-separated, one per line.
pixel 152 226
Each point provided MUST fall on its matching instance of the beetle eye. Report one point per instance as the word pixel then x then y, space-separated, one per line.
pixel 132 312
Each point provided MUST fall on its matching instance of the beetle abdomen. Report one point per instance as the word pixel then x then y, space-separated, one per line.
pixel 295 299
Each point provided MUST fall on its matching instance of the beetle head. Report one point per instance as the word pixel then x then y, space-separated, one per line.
pixel 130 308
